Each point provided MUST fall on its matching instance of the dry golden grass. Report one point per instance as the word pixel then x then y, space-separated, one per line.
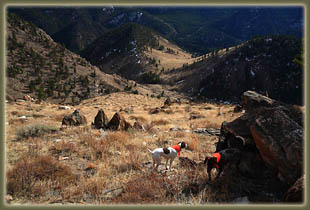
pixel 92 166
pixel 169 60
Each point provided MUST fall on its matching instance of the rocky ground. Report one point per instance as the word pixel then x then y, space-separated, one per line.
pixel 50 162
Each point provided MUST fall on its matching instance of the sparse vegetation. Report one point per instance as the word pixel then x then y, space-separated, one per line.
pixel 32 178
pixel 35 130
pixel 98 168
pixel 151 78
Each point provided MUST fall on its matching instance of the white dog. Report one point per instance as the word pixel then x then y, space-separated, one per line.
pixel 169 153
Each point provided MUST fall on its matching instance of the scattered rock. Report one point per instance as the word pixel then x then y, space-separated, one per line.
pixel 74 119
pixel 117 153
pixel 207 131
pixel 64 107
pixel 193 117
pixel 101 120
pixel 138 126
pixel 176 129
pixel 154 111
pixel 168 102
pixel 90 166
pixel 28 98
pixel 118 123
pixel 62 158
pixel 128 110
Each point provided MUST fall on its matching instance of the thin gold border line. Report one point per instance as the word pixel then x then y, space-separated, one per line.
pixel 193 5
pixel 156 4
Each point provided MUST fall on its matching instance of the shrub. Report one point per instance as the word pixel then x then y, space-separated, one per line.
pixel 33 177
pixel 193 143
pixel 145 188
pixel 35 130
pixel 151 78
pixel 161 47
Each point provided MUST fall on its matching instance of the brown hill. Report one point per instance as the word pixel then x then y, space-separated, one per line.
pixel 43 69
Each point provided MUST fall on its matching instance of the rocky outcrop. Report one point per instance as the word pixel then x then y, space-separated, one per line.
pixel 101 120
pixel 118 123
pixel 279 141
pixel 295 193
pixel 74 119
pixel 270 137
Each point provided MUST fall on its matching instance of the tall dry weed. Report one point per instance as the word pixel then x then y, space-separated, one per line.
pixel 34 130
pixel 31 177
pixel 193 143
pixel 143 189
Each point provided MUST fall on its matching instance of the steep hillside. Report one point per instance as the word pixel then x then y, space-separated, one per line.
pixel 43 69
pixel 135 52
pixel 268 65
pixel 77 27
pixel 197 29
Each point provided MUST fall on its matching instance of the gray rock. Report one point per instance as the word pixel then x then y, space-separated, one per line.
pixel 74 119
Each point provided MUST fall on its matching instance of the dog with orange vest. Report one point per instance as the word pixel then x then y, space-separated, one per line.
pixel 169 153
pixel 220 159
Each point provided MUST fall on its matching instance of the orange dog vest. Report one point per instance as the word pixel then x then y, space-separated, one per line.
pixel 218 157
pixel 177 148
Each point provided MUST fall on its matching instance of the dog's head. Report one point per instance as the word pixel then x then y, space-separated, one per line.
pixel 182 144
pixel 210 160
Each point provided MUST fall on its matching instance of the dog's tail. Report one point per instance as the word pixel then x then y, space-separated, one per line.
pixel 149 150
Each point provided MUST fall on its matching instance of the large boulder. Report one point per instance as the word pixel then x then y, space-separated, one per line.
pixel 279 140
pixel 74 119
pixel 252 100
pixel 101 120
pixel 270 137
pixel 118 123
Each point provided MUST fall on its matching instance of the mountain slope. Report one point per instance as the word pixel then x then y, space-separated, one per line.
pixel 264 64
pixel 38 66
pixel 135 52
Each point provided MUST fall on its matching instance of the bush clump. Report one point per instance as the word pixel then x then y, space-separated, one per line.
pixel 35 130
pixel 32 177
